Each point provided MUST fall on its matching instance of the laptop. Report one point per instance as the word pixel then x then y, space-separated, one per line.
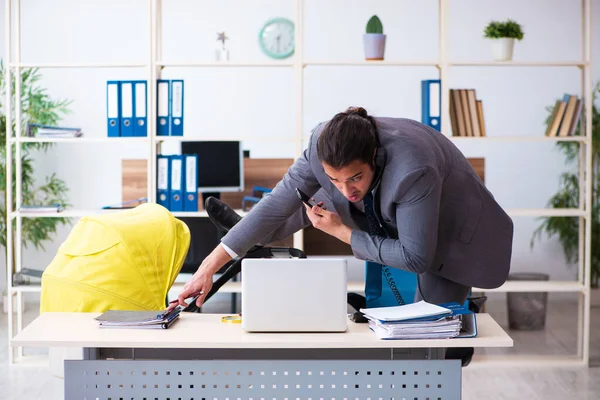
pixel 294 295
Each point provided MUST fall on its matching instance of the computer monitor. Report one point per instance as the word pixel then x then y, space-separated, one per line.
pixel 220 165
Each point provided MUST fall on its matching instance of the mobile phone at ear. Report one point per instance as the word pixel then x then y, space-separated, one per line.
pixel 305 199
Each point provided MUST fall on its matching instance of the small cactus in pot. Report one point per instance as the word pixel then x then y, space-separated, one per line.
pixel 374 39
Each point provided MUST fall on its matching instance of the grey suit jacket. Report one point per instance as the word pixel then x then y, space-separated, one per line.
pixel 438 214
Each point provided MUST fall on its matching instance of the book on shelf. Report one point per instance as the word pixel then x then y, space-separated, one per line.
pixel 565 116
pixel 466 113
pixel 41 208
pixel 48 131
pixel 27 276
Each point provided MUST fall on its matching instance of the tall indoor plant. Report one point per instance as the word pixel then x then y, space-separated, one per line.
pixel 36 107
pixel 567 229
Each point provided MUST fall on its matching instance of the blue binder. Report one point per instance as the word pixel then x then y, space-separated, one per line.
pixel 163 181
pixel 176 169
pixel 126 102
pixel 190 202
pixel 113 108
pixel 431 98
pixel 163 107
pixel 177 107
pixel 140 108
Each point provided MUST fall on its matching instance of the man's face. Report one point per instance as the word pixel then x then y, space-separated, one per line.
pixel 353 180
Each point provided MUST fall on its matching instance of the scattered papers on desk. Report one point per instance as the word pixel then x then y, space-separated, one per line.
pixel 138 319
pixel 422 321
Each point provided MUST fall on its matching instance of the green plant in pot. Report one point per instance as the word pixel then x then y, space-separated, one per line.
pixel 503 35
pixel 567 228
pixel 374 39
pixel 36 107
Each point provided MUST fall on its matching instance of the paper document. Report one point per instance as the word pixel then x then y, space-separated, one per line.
pixel 137 319
pixel 406 312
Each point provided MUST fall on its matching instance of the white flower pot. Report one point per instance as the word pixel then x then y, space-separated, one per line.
pixel 222 55
pixel 503 49
pixel 374 46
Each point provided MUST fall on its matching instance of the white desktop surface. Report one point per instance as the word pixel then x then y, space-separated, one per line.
pixel 197 330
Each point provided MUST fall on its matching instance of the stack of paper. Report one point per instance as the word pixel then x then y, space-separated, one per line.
pixel 138 319
pixel 421 320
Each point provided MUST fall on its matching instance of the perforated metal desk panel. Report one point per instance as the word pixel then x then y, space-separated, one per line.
pixel 200 357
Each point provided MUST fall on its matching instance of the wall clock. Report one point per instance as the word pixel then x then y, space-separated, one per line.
pixel 276 38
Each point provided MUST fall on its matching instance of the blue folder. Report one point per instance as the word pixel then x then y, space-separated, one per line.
pixel 163 181
pixel 140 108
pixel 431 103
pixel 190 202
pixel 163 107
pixel 113 108
pixel 176 189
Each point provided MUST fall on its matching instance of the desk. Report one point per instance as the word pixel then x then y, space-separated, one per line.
pixel 200 357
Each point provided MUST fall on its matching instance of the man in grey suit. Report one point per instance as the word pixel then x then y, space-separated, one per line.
pixel 399 192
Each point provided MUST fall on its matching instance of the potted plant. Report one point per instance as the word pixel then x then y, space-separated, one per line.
pixel 503 35
pixel 567 229
pixel 374 39
pixel 37 107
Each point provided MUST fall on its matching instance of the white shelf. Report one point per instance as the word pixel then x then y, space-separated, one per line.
pixel 27 288
pixel 224 64
pixel 545 212
pixel 77 65
pixel 519 138
pixel 81 140
pixel 518 63
pixel 63 214
pixel 359 287
pixel 364 63
pixel 536 286
pixel 200 214
pixel 515 212
pixel 221 138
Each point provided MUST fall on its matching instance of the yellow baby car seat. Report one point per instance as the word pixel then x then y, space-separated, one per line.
pixel 125 260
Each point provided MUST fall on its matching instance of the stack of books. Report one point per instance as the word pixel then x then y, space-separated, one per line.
pixel 422 320
pixel 138 319
pixel 47 131
pixel 466 113
pixel 565 116
pixel 41 208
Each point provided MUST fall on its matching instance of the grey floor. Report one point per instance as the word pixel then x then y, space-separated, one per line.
pixel 479 381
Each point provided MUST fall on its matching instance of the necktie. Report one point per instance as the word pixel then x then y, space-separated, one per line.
pixel 374 227
pixel 377 230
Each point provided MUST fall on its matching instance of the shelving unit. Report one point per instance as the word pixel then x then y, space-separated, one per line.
pixel 156 63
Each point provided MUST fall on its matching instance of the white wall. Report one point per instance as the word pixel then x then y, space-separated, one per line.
pixel 259 103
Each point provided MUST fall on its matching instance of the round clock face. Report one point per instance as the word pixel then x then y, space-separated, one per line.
pixel 276 38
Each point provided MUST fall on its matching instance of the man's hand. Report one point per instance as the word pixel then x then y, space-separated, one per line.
pixel 202 281
pixel 329 223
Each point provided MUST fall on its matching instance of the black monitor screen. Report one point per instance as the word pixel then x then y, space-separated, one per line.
pixel 219 164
